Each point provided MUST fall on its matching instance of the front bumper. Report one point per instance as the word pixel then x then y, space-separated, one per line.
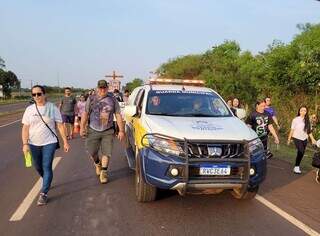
pixel 156 171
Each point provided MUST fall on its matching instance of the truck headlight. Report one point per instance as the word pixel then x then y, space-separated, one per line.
pixel 163 144
pixel 255 146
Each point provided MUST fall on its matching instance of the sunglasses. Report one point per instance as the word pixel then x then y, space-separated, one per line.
pixel 102 87
pixel 36 94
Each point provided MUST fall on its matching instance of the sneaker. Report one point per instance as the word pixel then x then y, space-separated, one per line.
pixel 98 168
pixel 103 177
pixel 318 176
pixel 43 199
pixel 296 170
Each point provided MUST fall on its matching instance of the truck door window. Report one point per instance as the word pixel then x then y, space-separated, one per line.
pixel 140 97
pixel 137 97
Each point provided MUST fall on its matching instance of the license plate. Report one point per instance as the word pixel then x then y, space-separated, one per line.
pixel 215 170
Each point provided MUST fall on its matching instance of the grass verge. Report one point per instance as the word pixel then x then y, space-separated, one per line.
pixel 288 153
pixel 2 114
pixel 12 101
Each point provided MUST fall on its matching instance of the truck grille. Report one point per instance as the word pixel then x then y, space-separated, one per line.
pixel 212 150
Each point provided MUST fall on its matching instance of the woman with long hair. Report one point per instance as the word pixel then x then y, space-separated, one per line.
pixel 240 112
pixel 39 137
pixel 300 132
pixel 229 103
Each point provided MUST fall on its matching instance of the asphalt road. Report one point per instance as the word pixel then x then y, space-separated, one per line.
pixel 79 205
pixel 13 107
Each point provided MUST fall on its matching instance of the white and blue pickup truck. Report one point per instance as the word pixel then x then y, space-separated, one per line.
pixel 182 136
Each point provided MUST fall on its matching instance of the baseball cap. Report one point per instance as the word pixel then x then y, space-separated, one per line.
pixel 102 83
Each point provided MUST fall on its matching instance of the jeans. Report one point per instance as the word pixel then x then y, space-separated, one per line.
pixel 42 157
pixel 301 147
pixel 264 140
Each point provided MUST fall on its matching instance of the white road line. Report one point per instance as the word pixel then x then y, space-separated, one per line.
pixel 288 217
pixel 26 203
pixel 13 122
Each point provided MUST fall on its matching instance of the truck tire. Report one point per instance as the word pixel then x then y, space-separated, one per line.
pixel 144 191
pixel 247 195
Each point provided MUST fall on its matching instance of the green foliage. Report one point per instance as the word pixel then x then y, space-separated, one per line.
pixel 8 80
pixel 2 63
pixel 223 68
pixel 289 73
pixel 182 67
pixel 22 97
pixel 56 89
pixel 133 84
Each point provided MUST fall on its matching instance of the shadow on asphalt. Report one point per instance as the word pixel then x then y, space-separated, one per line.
pixel 163 194
pixel 86 183
pixel 120 173
pixel 280 174
pixel 71 183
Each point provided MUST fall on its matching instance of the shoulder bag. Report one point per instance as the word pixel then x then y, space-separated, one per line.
pixel 58 143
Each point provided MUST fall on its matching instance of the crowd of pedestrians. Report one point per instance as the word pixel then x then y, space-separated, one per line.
pixel 99 115
pixel 261 120
pixel 95 111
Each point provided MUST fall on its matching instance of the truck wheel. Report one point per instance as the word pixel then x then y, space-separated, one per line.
pixel 247 195
pixel 144 191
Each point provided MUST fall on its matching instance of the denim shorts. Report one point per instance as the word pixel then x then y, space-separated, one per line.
pixel 100 141
pixel 67 119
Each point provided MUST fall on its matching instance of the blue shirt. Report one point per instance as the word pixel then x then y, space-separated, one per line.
pixel 271 111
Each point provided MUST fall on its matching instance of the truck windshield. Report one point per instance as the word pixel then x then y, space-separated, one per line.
pixel 186 103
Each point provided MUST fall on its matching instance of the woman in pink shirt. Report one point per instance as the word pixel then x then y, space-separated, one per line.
pixel 80 107
pixel 300 132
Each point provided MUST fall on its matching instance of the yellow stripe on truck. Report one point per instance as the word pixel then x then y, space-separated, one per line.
pixel 139 131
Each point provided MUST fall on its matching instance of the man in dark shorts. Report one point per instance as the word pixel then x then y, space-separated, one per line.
pixel 67 109
pixel 261 122
pixel 99 111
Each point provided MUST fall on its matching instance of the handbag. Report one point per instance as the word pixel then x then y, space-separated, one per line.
pixel 58 143
pixel 316 160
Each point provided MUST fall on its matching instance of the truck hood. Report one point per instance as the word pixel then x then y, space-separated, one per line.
pixel 201 128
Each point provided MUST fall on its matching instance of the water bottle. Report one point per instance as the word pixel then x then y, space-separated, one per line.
pixel 28 159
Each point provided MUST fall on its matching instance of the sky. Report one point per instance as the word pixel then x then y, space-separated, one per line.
pixel 76 42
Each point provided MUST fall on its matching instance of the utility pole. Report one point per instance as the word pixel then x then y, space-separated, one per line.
pixel 20 87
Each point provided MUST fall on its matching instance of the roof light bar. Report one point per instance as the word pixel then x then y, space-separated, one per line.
pixel 177 81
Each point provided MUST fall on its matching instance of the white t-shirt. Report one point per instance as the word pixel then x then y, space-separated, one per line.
pixel 241 113
pixel 297 126
pixel 39 134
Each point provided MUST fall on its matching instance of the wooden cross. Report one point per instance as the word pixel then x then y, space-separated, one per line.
pixel 114 76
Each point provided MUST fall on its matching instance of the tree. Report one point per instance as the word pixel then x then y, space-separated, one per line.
pixel 133 84
pixel 290 73
pixel 186 67
pixel 2 63
pixel 8 80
